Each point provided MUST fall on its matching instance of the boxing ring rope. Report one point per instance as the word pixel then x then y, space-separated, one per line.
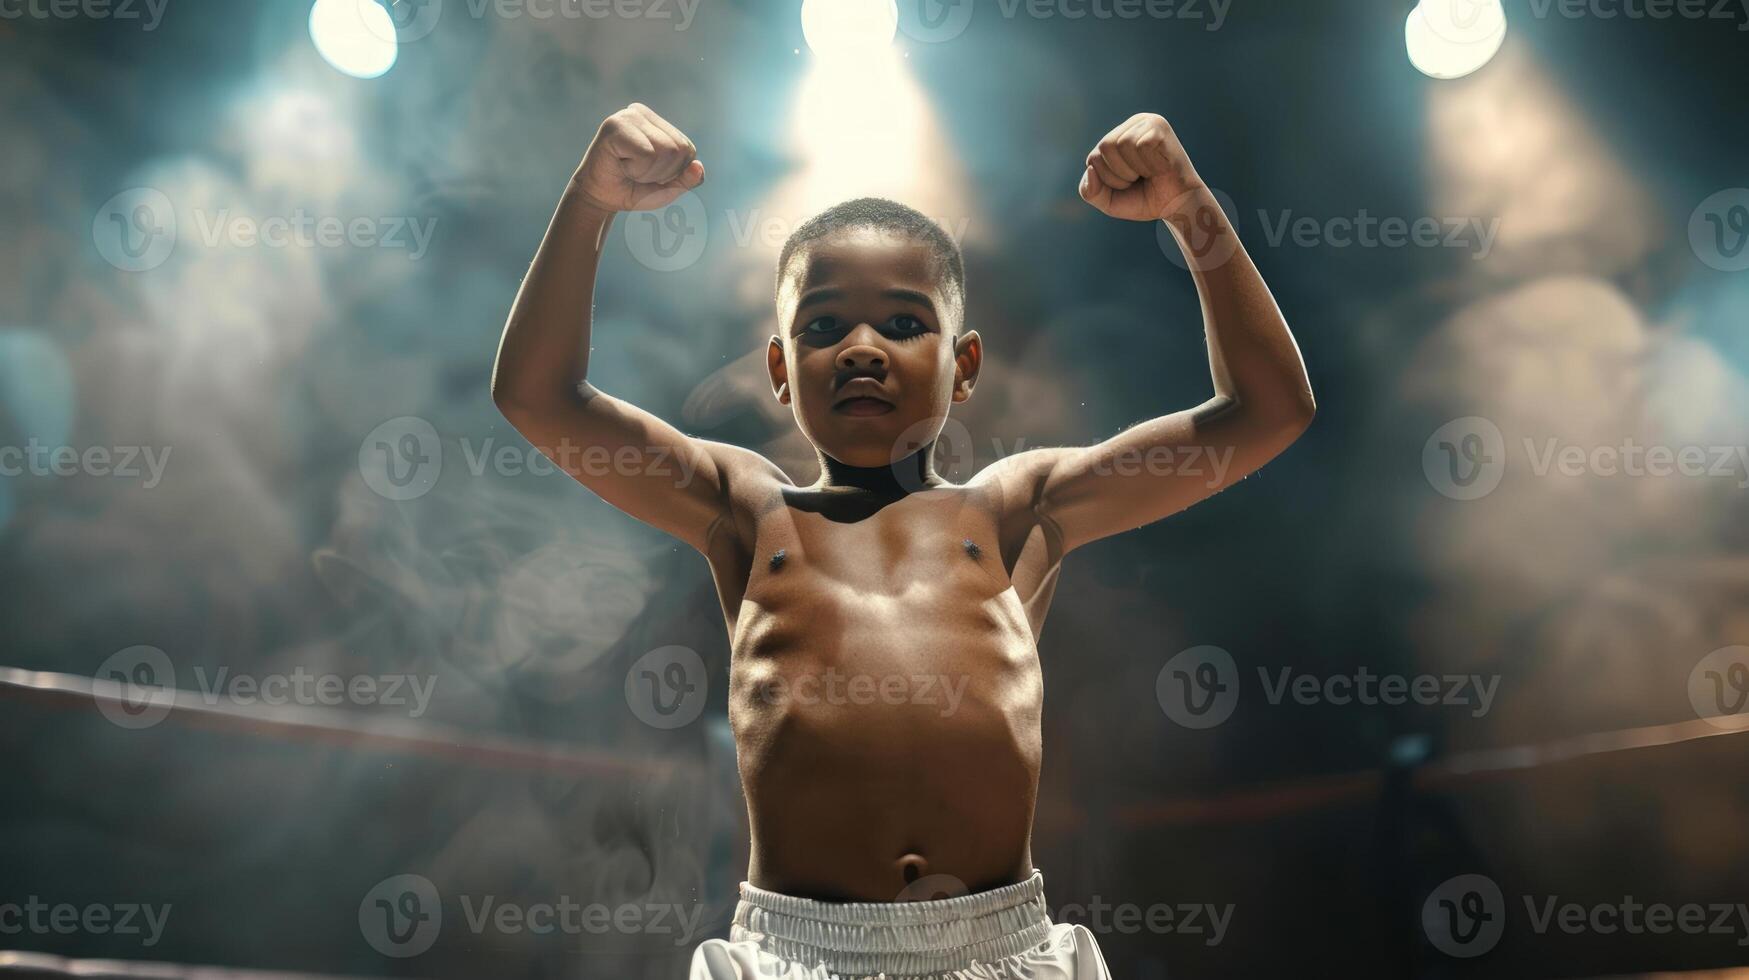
pixel 1292 796
pixel 344 728
pixel 25 965
pixel 333 726
pixel 338 727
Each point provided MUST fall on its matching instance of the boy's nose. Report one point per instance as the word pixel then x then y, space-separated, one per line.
pixel 862 357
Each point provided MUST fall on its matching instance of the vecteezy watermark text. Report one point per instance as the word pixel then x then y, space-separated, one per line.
pixel 588 460
pixel 36 917
pixel 836 688
pixel 936 21
pixel 674 237
pixel 1725 10
pixel 1205 920
pixel 1466 458
pixel 149 12
pixel 414 19
pixel 1210 462
pixel 402 916
pixel 402 459
pixel 1366 230
pixel 309 689
pixel 1202 919
pixel 301 229
pixel 139 229
pixel 136 688
pixel 1199 688
pixel 1193 236
pixel 36 459
pixel 1466 916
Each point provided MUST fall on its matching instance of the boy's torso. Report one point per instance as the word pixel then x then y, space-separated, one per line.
pixel 885 690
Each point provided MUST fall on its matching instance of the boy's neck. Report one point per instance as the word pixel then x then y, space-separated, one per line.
pixel 909 475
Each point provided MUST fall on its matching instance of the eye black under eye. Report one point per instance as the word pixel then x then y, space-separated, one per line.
pixel 905 326
pixel 902 326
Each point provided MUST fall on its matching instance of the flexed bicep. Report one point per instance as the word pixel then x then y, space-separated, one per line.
pixel 644 466
pixel 1155 469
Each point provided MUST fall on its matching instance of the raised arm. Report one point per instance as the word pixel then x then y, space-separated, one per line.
pixel 1262 399
pixel 632 459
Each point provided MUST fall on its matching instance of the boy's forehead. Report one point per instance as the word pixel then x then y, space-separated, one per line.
pixel 863 252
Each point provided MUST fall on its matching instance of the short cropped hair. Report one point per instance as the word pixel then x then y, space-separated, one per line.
pixel 884 215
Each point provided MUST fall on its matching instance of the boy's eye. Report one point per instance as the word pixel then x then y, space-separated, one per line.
pixel 903 326
pixel 906 326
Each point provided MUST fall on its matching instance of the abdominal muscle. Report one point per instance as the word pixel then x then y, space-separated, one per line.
pixel 888 744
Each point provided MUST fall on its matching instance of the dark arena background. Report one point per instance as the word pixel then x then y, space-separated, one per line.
pixel 312 667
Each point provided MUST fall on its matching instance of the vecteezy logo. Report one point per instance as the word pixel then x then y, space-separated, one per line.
pixel 401 459
pixel 1718 231
pixel 1465 916
pixel 136 687
pixel 1465 458
pixel 1198 688
pixel 952 451
pixel 666 687
pixel 1208 243
pixel 401 916
pixel 411 19
pixel 135 231
pixel 1718 687
pixel 935 887
pixel 934 21
pixel 1466 22
pixel 670 239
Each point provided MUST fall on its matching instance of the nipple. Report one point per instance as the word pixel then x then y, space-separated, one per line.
pixel 777 558
pixel 972 548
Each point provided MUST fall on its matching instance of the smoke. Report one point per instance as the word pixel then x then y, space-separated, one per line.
pixel 1563 579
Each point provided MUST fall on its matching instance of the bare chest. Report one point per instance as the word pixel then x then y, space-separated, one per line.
pixel 931 557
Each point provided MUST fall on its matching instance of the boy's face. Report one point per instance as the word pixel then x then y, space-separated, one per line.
pixel 869 352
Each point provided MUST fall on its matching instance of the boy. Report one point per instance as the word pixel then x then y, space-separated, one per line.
pixel 881 571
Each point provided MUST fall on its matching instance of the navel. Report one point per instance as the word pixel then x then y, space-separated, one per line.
pixel 912 867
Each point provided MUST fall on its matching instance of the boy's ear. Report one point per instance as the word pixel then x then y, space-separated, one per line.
pixel 968 360
pixel 777 369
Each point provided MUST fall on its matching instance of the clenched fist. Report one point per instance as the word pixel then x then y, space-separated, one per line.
pixel 638 161
pixel 1138 170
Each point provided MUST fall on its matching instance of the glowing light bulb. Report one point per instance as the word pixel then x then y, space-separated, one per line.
pixel 849 27
pixel 357 37
pixel 1452 38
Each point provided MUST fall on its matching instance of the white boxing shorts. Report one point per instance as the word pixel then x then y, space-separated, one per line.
pixel 1001 934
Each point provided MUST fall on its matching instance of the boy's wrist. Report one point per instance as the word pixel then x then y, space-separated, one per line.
pixel 589 206
pixel 1187 197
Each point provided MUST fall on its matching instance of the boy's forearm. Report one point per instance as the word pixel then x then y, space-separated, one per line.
pixel 544 353
pixel 1253 358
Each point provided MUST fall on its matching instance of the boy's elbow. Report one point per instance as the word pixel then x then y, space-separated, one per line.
pixel 1300 414
pixel 1283 415
pixel 510 405
pixel 1305 409
pixel 1285 420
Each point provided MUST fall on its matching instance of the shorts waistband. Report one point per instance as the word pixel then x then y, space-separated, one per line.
pixel 897 939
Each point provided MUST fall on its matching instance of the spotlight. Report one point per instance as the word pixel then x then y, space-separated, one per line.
pixel 849 27
pixel 355 36
pixel 1452 38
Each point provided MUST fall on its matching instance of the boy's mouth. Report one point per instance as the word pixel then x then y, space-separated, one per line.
pixel 861 396
pixel 863 406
